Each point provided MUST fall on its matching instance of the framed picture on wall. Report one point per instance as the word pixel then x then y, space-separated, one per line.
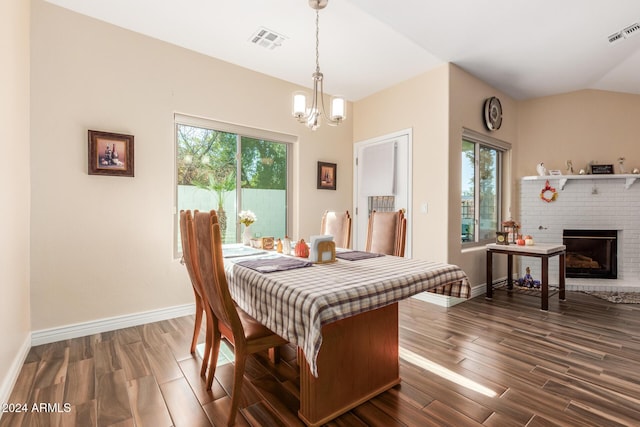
pixel 327 175
pixel 110 154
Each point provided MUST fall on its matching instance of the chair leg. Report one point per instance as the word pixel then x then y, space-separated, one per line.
pixel 213 358
pixel 198 322
pixel 208 343
pixel 274 354
pixel 238 375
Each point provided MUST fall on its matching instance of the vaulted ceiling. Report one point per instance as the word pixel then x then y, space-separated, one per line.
pixel 524 48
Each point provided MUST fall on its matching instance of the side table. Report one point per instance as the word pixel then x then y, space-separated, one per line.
pixel 543 251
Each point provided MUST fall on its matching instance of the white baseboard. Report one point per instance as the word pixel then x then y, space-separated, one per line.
pixel 9 381
pixel 46 336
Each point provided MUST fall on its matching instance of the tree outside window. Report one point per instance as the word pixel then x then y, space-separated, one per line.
pixel 207 176
pixel 480 195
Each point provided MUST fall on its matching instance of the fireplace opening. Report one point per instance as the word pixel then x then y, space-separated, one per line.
pixel 591 253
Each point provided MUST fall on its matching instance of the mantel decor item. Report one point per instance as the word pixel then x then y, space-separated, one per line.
pixel 110 154
pixel 548 193
pixel 327 176
pixel 601 169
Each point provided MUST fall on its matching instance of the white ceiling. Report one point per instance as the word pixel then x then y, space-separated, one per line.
pixel 524 48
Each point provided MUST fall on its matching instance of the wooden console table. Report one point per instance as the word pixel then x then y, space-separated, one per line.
pixel 542 251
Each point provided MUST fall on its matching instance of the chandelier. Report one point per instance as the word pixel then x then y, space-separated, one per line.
pixel 310 115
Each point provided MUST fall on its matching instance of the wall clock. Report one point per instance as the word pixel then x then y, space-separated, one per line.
pixel 492 113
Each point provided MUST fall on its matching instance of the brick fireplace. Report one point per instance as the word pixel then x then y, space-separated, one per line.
pixel 608 203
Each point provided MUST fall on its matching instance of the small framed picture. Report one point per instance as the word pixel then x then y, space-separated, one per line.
pixel 555 172
pixel 110 154
pixel 602 169
pixel 327 176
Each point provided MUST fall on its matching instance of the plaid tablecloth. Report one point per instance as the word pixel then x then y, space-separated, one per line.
pixel 296 303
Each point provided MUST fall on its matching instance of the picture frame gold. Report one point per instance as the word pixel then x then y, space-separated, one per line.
pixel 110 154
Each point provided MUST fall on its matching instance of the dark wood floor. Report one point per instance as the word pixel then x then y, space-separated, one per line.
pixel 576 365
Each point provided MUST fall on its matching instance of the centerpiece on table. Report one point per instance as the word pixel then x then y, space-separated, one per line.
pixel 247 218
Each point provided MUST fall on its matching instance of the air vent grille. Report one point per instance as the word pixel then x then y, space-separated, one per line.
pixel 615 37
pixel 625 33
pixel 267 39
pixel 631 30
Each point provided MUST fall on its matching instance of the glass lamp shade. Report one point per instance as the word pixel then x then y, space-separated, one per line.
pixel 299 104
pixel 338 108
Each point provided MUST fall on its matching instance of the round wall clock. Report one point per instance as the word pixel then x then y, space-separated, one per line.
pixel 492 113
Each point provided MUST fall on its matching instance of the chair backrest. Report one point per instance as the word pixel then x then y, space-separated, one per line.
pixel 214 280
pixel 387 233
pixel 189 252
pixel 337 224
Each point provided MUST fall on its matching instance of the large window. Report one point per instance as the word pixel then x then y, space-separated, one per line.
pixel 220 168
pixel 481 193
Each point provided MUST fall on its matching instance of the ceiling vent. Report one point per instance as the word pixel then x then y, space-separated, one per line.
pixel 267 39
pixel 631 30
pixel 615 37
pixel 625 33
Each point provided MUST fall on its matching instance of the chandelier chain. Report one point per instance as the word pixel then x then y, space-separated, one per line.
pixel 317 41
pixel 313 113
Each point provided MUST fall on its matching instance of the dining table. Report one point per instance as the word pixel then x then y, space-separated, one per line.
pixel 342 316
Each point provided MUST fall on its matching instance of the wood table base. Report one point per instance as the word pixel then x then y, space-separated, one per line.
pixel 357 361
pixel 547 252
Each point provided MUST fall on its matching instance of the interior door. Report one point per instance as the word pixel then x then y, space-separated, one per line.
pixel 382 182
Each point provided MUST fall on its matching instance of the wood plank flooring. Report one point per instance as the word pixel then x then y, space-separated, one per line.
pixel 576 365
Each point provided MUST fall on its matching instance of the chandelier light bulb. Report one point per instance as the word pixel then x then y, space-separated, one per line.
pixel 311 115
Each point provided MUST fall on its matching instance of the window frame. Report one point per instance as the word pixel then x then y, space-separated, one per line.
pixel 240 131
pixel 503 150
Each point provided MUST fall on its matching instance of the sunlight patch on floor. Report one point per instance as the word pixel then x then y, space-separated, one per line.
pixel 441 371
pixel 224 356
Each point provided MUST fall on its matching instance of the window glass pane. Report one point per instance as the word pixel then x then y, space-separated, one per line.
pixel 468 191
pixel 206 166
pixel 488 193
pixel 210 164
pixel 264 185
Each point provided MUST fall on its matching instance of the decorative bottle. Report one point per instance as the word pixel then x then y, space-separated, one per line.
pixel 286 246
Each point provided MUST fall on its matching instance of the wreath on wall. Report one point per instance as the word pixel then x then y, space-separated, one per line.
pixel 548 189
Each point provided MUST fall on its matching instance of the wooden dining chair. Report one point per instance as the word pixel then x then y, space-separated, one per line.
pixel 248 335
pixel 190 260
pixel 337 224
pixel 387 233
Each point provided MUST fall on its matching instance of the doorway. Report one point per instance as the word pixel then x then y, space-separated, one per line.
pixel 382 181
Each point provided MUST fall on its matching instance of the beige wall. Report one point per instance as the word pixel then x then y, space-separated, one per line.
pixel 467 96
pixel 421 104
pixel 102 246
pixel 14 190
pixel 578 126
pixel 437 106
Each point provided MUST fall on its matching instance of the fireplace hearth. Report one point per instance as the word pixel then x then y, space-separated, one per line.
pixel 591 253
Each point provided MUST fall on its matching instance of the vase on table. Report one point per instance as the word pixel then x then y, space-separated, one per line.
pixel 246 235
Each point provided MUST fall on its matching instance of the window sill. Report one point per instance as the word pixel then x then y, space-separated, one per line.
pixel 476 247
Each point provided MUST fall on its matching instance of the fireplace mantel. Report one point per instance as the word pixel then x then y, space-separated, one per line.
pixel 629 179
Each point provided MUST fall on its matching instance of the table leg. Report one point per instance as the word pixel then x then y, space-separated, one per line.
pixel 509 271
pixel 544 294
pixel 489 294
pixel 562 276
